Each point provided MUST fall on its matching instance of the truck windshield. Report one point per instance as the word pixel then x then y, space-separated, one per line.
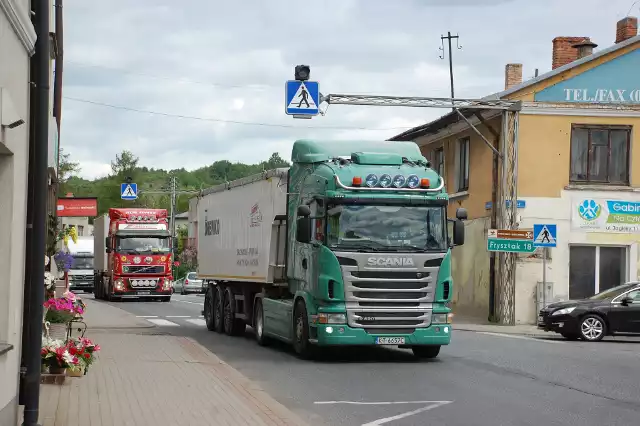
pixel 379 227
pixel 142 245
pixel 82 263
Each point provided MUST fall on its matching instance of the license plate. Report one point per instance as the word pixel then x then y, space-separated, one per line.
pixel 144 292
pixel 390 341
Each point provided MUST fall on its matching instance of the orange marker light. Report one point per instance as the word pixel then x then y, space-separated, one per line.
pixel 357 181
pixel 425 183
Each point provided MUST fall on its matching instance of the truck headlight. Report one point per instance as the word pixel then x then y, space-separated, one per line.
pixel 332 318
pixel 118 284
pixel 441 318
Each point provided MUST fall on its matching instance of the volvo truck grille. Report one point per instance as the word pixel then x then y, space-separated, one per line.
pixel 144 283
pixel 156 269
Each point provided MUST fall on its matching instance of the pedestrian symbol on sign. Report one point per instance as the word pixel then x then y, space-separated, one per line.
pixel 129 191
pixel 545 235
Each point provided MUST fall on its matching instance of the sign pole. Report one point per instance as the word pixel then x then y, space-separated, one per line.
pixel 545 236
pixel 544 277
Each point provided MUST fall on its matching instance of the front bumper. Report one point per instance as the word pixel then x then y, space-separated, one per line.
pixel 558 323
pixel 337 334
pixel 196 288
pixel 81 285
pixel 135 294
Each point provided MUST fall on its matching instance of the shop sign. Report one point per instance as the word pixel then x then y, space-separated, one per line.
pixel 603 215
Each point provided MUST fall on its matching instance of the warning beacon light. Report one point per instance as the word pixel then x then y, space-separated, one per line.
pixel 302 72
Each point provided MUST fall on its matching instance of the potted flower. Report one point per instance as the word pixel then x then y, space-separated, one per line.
pixel 85 350
pixel 60 312
pixel 56 357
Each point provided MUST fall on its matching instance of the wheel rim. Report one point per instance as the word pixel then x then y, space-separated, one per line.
pixel 227 313
pixel 592 328
pixel 299 328
pixel 207 308
pixel 218 310
pixel 259 324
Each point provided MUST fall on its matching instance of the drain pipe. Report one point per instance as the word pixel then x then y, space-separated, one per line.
pixel 38 187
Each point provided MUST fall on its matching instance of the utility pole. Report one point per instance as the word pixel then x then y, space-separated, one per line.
pixel 449 38
pixel 173 188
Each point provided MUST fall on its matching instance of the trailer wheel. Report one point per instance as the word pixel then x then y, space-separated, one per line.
pixel 218 314
pixel 232 325
pixel 209 308
pixel 258 324
pixel 301 343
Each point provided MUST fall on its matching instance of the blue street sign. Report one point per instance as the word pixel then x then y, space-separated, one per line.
pixel 521 204
pixel 302 98
pixel 128 191
pixel 545 235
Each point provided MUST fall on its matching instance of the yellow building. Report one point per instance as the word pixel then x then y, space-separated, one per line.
pixel 578 168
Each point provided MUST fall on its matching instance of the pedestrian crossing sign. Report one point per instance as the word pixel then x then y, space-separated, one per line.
pixel 302 98
pixel 545 235
pixel 129 191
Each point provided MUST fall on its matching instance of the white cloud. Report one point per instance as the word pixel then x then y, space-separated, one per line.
pixel 226 62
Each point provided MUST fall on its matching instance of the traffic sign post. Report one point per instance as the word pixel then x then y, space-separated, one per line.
pixel 510 240
pixel 129 191
pixel 546 237
pixel 302 98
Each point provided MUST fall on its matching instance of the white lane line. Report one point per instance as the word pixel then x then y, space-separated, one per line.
pixel 378 402
pixel 178 316
pixel 163 322
pixel 146 316
pixel 434 404
pixel 188 301
pixel 197 321
pixel 515 336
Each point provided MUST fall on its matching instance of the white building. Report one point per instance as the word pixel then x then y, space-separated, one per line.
pixel 17 40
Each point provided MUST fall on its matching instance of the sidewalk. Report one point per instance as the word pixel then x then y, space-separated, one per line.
pixel 481 325
pixel 144 379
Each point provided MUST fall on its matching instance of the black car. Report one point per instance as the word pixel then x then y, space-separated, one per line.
pixel 616 310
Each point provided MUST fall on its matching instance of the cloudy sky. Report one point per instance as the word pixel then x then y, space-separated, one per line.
pixel 208 75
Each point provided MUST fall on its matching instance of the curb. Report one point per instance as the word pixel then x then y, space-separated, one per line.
pixel 475 330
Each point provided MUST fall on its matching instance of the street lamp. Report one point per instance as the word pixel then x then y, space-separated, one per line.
pixel 302 72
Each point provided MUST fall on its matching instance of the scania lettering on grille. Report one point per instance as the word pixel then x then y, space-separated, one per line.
pixel 390 261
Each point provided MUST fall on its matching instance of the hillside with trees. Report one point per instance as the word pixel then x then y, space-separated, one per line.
pixel 150 180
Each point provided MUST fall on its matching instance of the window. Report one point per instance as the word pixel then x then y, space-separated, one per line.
pixel 600 154
pixel 80 230
pixel 438 161
pixel 463 164
pixel 607 269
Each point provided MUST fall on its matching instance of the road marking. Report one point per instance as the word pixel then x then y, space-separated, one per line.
pixel 163 322
pixel 515 336
pixel 197 321
pixel 146 316
pixel 378 402
pixel 434 404
pixel 178 316
pixel 187 301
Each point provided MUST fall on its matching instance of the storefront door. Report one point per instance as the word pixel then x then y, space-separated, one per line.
pixel 593 269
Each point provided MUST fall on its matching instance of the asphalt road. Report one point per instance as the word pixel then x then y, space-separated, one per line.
pixel 479 380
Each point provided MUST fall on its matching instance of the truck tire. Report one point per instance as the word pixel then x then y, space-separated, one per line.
pixel 300 333
pixel 209 308
pixel 258 324
pixel 426 352
pixel 232 325
pixel 218 311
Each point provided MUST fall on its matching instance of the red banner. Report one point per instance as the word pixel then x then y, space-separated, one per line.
pixel 77 207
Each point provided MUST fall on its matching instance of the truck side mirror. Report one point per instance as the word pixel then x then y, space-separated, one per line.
pixel 304 211
pixel 458 233
pixel 461 213
pixel 107 244
pixel 303 229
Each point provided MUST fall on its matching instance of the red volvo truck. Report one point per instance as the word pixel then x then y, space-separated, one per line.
pixel 132 255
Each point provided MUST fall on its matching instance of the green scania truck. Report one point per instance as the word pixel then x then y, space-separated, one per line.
pixel 351 245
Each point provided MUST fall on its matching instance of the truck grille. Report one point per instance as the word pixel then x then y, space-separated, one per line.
pixel 140 269
pixel 81 277
pixel 146 283
pixel 389 299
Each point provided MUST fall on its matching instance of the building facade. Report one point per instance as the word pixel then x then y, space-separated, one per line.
pixel 17 40
pixel 578 168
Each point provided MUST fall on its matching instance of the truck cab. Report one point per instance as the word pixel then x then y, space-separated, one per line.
pixel 81 271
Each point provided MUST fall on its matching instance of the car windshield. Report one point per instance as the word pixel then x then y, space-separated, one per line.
pixel 142 245
pixel 191 276
pixel 613 292
pixel 82 263
pixel 390 228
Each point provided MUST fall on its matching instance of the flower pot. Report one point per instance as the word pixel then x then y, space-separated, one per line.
pixel 58 331
pixel 77 372
pixel 54 369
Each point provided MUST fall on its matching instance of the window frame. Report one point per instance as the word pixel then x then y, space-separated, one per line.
pixel 464 164
pixel 438 161
pixel 609 128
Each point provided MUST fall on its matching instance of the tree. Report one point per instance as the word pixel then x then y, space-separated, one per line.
pixel 66 167
pixel 125 164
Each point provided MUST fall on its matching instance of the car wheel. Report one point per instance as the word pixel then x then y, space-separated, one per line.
pixel 570 336
pixel 301 344
pixel 232 325
pixel 259 324
pixel 218 314
pixel 209 308
pixel 592 328
pixel 426 352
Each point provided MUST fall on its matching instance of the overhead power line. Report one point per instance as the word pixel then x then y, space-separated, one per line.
pixel 220 120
